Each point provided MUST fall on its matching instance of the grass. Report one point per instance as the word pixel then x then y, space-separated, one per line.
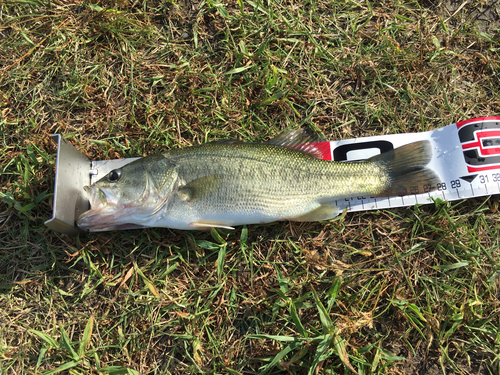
pixel 411 290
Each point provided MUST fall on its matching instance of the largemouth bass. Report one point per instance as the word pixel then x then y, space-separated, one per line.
pixel 230 183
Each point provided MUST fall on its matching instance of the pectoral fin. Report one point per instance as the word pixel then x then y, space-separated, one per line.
pixel 201 187
pixel 323 212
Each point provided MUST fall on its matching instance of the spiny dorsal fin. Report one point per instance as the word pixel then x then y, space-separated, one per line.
pixel 304 141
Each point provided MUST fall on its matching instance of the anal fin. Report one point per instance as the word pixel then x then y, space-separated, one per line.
pixel 323 212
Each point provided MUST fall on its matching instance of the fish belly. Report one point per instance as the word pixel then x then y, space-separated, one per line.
pixel 186 216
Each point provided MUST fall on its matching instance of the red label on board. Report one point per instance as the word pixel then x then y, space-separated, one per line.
pixel 480 139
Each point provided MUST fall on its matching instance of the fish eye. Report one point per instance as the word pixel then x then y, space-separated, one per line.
pixel 114 175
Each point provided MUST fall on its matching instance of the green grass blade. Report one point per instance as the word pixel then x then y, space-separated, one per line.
pixel 340 348
pixel 296 319
pixel 64 367
pixel 277 359
pixel 326 322
pixel 45 337
pixel 87 336
pixel 453 266
pixel 148 282
pixel 273 337
pixel 281 281
pixel 67 344
pixel 220 261
pixel 320 352
pixel 239 70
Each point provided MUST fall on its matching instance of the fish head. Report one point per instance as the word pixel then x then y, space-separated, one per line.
pixel 130 196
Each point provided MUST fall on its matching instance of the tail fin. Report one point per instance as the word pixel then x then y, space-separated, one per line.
pixel 406 169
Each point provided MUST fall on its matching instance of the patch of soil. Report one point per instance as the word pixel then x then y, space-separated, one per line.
pixel 423 363
pixel 485 15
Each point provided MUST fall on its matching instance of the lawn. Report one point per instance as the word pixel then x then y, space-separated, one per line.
pixel 403 291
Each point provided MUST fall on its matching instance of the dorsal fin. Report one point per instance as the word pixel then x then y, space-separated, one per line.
pixel 304 141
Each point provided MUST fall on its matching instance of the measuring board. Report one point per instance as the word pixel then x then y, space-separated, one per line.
pixel 465 156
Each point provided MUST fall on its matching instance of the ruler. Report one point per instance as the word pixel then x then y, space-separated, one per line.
pixel 466 157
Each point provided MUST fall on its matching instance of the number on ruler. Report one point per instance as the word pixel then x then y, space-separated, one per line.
pixel 455 184
pixel 483 179
pixel 441 186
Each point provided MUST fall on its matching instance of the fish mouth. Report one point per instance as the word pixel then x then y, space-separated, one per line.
pixel 102 213
pixel 96 197
pixel 109 212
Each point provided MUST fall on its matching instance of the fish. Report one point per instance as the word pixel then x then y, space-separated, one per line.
pixel 224 184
